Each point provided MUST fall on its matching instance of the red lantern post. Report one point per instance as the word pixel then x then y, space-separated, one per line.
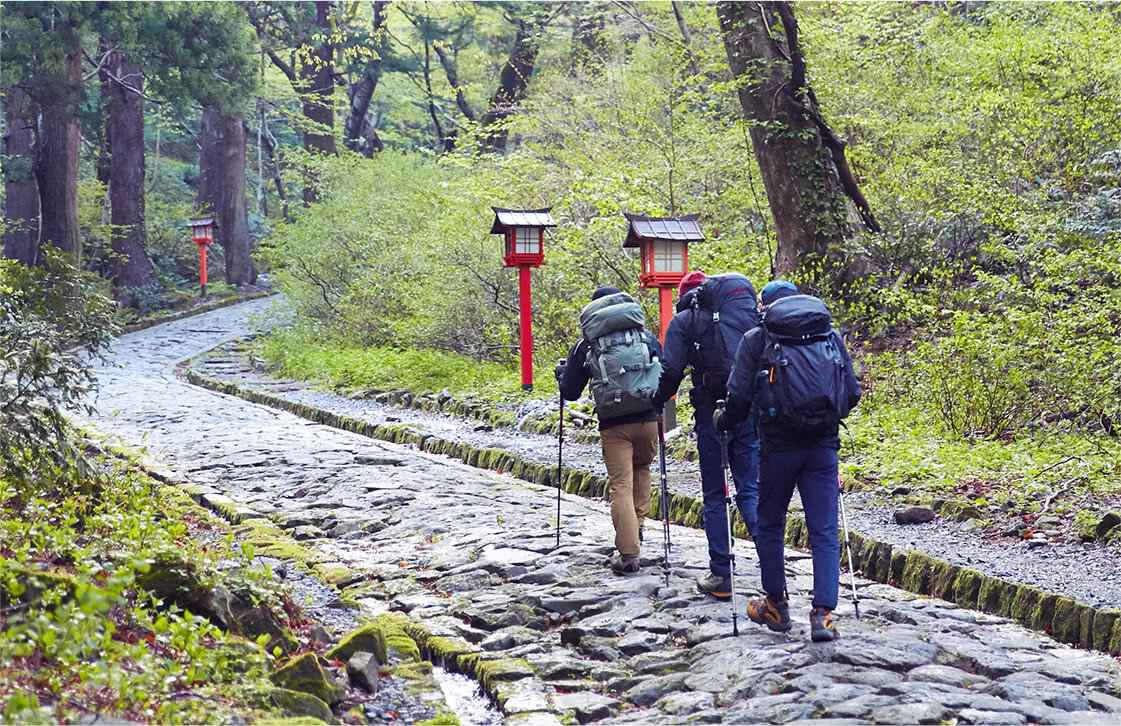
pixel 663 248
pixel 202 229
pixel 523 232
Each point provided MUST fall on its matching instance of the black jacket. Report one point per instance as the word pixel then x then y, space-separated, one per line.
pixel 576 378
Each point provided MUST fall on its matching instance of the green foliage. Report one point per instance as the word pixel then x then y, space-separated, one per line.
pixel 78 630
pixel 298 356
pixel 46 315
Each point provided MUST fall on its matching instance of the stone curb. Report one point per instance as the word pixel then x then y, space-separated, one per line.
pixel 1062 617
pixel 217 304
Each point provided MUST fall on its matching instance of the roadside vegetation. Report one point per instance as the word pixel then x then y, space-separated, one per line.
pixel 98 561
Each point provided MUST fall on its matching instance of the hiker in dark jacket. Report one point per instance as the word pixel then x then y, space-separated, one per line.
pixel 792 457
pixel 743 440
pixel 629 443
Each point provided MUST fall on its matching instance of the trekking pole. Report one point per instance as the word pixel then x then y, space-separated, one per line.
pixel 560 451
pixel 848 547
pixel 728 505
pixel 665 494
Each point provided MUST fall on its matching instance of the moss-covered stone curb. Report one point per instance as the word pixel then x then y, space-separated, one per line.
pixel 198 310
pixel 296 703
pixel 917 572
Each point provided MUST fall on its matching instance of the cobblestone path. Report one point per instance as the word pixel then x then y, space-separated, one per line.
pixel 470 554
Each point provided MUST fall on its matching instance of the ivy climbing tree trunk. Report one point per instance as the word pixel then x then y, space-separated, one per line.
pixel 21 196
pixel 808 181
pixel 511 87
pixel 317 87
pixel 56 150
pixel 131 266
pixel 358 133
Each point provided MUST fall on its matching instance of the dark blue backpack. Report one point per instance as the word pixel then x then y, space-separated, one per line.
pixel 803 384
pixel 723 310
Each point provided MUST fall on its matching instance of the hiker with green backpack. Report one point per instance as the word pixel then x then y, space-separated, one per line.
pixel 794 372
pixel 621 361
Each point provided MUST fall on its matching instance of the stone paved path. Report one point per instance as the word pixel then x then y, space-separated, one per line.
pixel 470 554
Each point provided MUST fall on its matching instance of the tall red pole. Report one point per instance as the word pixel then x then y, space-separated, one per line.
pixel 526 329
pixel 665 311
pixel 202 267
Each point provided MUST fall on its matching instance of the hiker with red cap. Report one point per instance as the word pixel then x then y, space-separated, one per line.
pixel 713 313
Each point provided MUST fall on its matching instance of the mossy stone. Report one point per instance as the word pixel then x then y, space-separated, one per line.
pixel 917 571
pixel 898 563
pixel 1115 638
pixel 942 579
pixel 368 638
pixel 1103 627
pixel 966 587
pixel 1065 625
pixel 1086 626
pixel 1044 612
pixel 1024 604
pixel 304 674
pixel 296 703
pixel 990 593
pixel 959 511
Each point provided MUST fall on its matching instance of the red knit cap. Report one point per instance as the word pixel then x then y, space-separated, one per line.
pixel 693 279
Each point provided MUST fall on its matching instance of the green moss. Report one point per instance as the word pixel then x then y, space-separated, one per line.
pixel 1044 613
pixel 296 703
pixel 1065 625
pixel 917 572
pixel 448 651
pixel 1115 638
pixel 966 587
pixel 1103 627
pixel 304 674
pixel 990 594
pixel 1024 604
pixel 414 671
pixel 1085 626
pixel 332 575
pixel 368 638
pixel 289 550
pixel 942 579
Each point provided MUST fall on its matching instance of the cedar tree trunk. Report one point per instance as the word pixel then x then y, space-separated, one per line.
pixel 232 210
pixel 21 196
pixel 56 154
pixel 802 162
pixel 131 266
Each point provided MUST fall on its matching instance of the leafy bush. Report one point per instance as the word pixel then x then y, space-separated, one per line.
pixel 51 320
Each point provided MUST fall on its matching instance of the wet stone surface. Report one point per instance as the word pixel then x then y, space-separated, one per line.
pixel 471 553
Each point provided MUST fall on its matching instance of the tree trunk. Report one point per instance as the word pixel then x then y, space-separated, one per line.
pixel 56 154
pixel 131 266
pixel 358 133
pixel 807 180
pixel 232 212
pixel 21 196
pixel 209 164
pixel 317 91
pixel 511 88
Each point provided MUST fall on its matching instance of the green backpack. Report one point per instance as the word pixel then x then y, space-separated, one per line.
pixel 623 375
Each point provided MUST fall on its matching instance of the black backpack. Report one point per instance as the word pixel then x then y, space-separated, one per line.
pixel 723 310
pixel 803 384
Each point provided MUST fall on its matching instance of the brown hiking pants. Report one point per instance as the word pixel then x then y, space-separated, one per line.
pixel 627 451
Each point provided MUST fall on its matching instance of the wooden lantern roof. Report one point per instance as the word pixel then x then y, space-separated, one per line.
pixel 667 229
pixel 505 219
pixel 202 222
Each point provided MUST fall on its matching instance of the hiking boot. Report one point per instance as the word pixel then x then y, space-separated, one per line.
pixel 822 627
pixel 774 613
pixel 624 564
pixel 715 585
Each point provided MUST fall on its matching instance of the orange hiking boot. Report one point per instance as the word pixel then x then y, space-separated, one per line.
pixel 822 627
pixel 770 611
